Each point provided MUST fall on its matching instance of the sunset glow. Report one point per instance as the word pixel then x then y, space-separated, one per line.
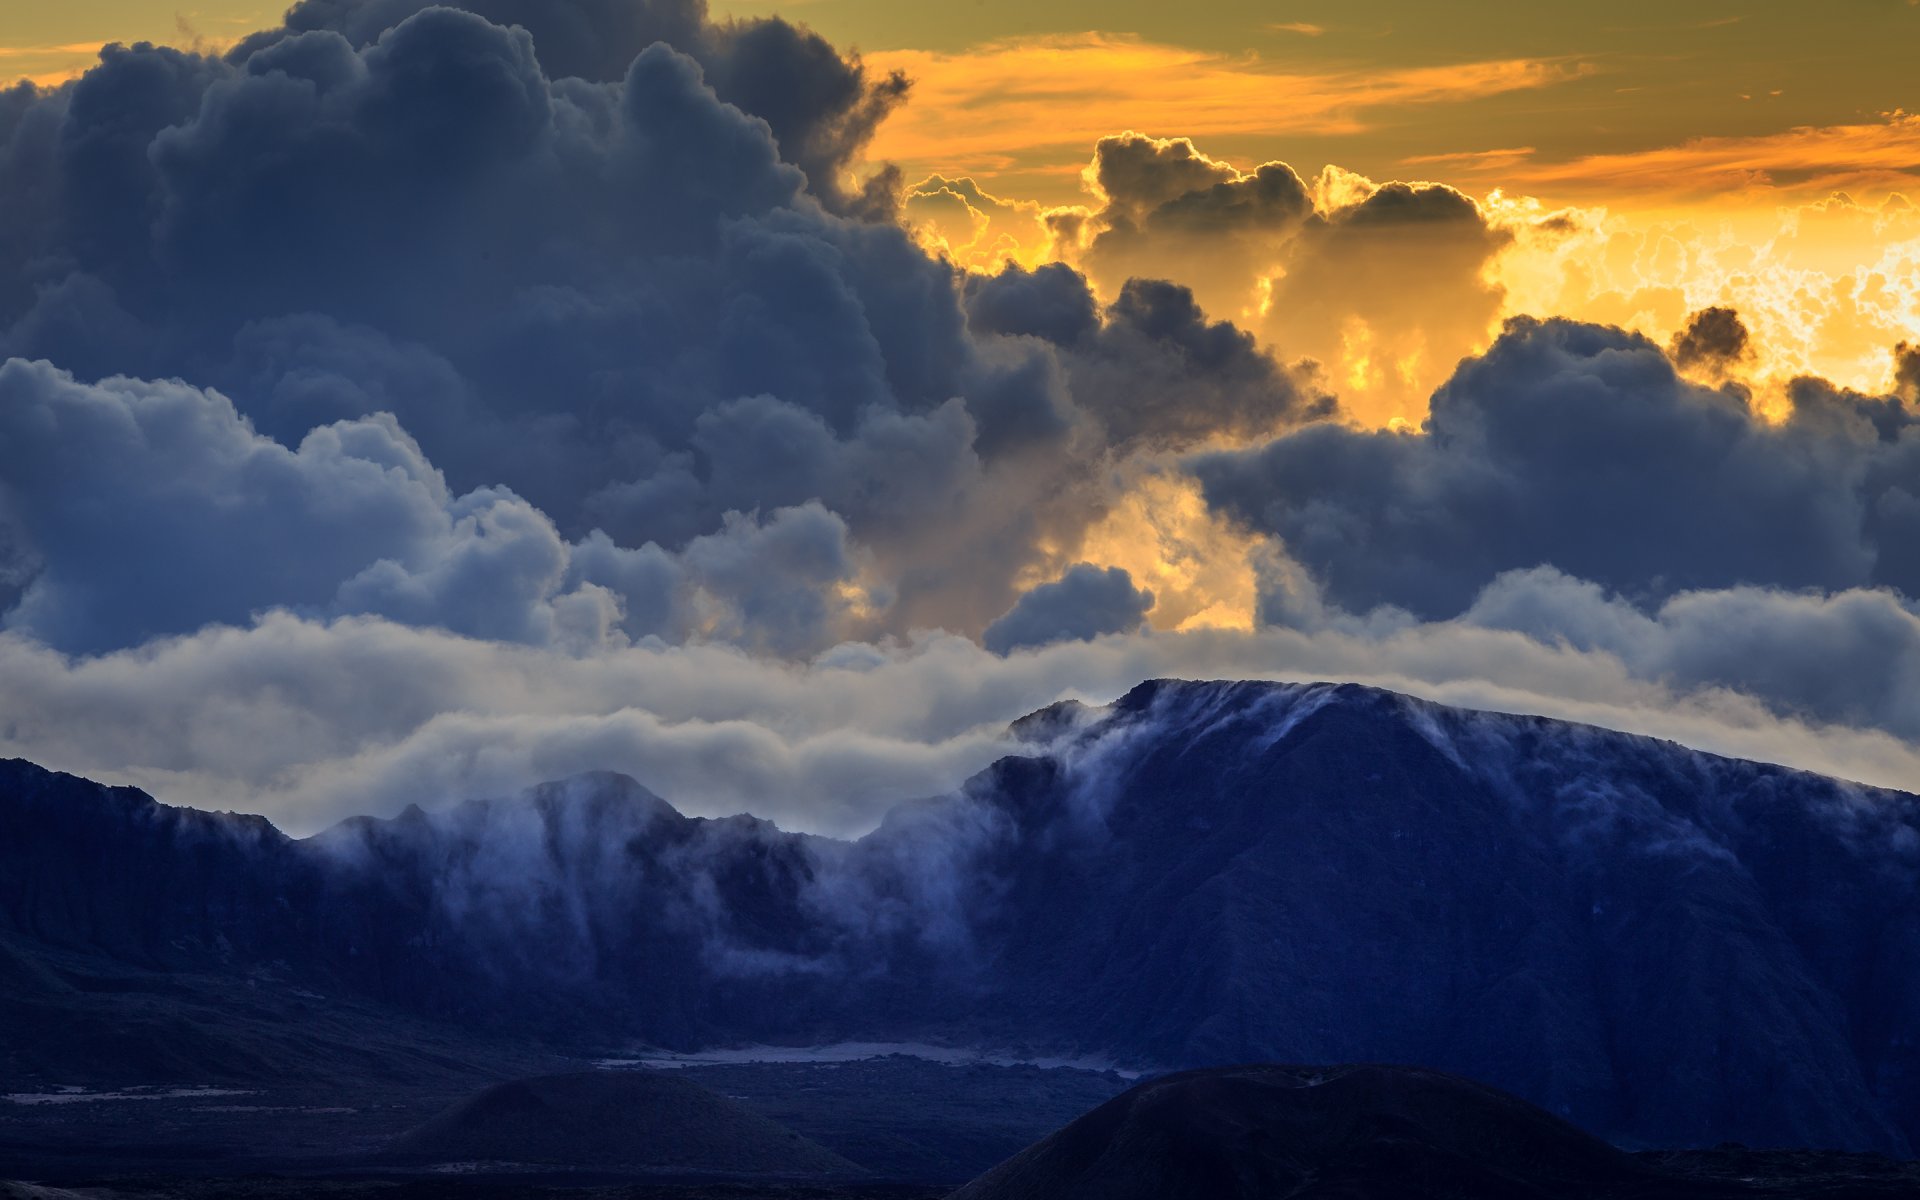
pixel 1230 317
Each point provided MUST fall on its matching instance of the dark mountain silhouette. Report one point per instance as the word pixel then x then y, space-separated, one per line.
pixel 634 1120
pixel 1660 946
pixel 1264 1132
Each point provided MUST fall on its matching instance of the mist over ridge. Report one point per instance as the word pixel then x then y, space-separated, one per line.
pixel 1201 873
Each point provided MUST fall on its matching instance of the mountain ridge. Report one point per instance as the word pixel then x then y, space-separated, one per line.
pixel 1664 946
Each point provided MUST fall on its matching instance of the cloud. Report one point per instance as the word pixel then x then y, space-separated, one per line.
pixel 1580 447
pixel 1386 285
pixel 1050 302
pixel 1848 658
pixel 310 720
pixel 974 228
pixel 1714 341
pixel 415 402
pixel 1132 176
pixel 1816 159
pixel 1166 211
pixel 1490 160
pixel 148 509
pixel 1155 372
pixel 612 296
pixel 1082 604
pixel 151 508
pixel 822 107
pixel 1390 289
pixel 972 108
pixel 779 578
pixel 1822 288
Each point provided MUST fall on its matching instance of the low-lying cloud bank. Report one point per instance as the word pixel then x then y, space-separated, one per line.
pixel 310 720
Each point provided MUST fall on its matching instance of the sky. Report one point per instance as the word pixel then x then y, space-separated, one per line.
pixel 773 402
pixel 1375 86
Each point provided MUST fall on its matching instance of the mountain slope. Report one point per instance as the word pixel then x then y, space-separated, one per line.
pixel 1655 943
pixel 1661 946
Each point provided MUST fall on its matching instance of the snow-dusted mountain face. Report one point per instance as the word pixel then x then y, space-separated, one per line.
pixel 1663 946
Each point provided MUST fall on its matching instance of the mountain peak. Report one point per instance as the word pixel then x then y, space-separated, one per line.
pixel 1634 936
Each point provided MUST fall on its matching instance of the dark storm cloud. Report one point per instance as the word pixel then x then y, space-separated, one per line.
pixel 822 107
pixel 616 302
pixel 1170 212
pixel 1082 604
pixel 436 406
pixel 1136 175
pixel 1160 373
pixel 1579 446
pixel 1051 302
pixel 1714 339
pixel 151 509
pixel 1153 186
pixel 1906 372
pixel 1152 368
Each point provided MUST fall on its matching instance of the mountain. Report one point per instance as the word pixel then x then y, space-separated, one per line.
pixel 1658 945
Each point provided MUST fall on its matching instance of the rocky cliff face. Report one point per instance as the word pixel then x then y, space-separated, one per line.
pixel 1659 945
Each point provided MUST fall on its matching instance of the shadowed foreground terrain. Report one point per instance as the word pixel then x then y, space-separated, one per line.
pixel 1240 1133
pixel 1663 949
pixel 1273 1131
pixel 887 1118
pixel 1268 1132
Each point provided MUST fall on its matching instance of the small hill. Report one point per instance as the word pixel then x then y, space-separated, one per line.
pixel 1270 1132
pixel 619 1120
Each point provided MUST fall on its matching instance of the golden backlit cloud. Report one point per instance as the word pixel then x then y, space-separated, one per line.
pixel 1018 100
pixel 1871 155
pixel 1159 529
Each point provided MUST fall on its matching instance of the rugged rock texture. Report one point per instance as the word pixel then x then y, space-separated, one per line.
pixel 1661 946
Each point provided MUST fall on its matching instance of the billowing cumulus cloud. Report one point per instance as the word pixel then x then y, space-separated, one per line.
pixel 418 401
pixel 821 107
pixel 1390 289
pixel 970 226
pixel 1714 341
pixel 1822 288
pixel 1386 285
pixel 1081 605
pixel 152 509
pixel 1847 658
pixel 591 301
pixel 1167 211
pixel 1156 371
pixel 1581 447
pixel 1906 372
